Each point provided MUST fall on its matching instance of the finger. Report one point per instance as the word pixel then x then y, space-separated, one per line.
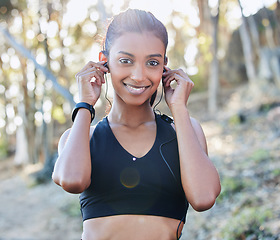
pixel 85 71
pixel 167 89
pixel 92 77
pixel 182 73
pixel 91 64
pixel 100 78
pixel 103 79
pixel 168 79
pixel 164 81
pixel 97 78
pixel 179 80
pixel 99 67
pixel 99 74
pixel 167 72
pixel 179 71
pixel 86 77
pixel 177 76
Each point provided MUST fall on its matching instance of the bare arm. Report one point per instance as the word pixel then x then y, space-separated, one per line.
pixel 199 177
pixel 72 170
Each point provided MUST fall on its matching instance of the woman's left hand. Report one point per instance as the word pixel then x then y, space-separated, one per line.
pixel 179 95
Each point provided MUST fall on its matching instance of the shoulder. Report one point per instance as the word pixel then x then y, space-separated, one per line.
pixel 199 133
pixel 196 125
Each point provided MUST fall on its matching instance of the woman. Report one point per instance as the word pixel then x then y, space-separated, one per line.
pixel 136 170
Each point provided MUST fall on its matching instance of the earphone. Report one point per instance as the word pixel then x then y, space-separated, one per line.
pixel 169 120
pixel 106 65
pixel 106 82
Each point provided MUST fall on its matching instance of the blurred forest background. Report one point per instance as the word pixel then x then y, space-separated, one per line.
pixel 230 49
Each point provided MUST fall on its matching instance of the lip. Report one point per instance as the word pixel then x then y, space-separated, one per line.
pixel 136 90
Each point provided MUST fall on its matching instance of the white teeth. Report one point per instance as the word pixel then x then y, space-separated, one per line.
pixel 136 89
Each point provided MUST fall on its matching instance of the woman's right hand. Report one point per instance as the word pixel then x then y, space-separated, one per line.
pixel 90 80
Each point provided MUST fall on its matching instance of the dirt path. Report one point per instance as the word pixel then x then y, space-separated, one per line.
pixel 37 213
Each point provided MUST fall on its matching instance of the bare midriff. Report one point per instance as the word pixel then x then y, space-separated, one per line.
pixel 134 227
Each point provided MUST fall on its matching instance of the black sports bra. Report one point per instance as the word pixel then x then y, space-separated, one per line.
pixel 123 184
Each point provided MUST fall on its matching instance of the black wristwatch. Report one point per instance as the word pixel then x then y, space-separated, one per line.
pixel 83 105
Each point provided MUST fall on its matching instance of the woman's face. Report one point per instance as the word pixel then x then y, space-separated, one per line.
pixel 136 62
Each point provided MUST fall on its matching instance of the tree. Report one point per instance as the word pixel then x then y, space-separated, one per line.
pixel 213 87
pixel 48 51
pixel 209 22
pixel 247 48
pixel 257 31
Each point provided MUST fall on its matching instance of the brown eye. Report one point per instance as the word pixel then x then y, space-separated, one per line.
pixel 125 61
pixel 153 63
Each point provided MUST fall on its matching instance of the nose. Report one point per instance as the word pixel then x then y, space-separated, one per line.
pixel 138 74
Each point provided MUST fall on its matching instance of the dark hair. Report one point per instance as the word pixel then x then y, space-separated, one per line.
pixel 133 20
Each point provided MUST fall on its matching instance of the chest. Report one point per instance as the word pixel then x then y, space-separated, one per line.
pixel 148 156
pixel 138 141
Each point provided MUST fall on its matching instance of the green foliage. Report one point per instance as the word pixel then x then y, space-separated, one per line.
pixel 3 148
pixel 205 42
pixel 276 172
pixel 234 120
pixel 58 115
pixel 233 185
pixel 265 107
pixel 199 83
pixel 247 222
pixel 259 155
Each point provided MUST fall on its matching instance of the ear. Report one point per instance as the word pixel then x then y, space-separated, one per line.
pixel 165 60
pixel 102 57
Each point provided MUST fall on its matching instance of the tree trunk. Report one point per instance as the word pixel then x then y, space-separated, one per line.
pixel 26 128
pixel 255 35
pixel 247 49
pixel 274 59
pixel 213 87
pixel 276 18
pixel 268 30
pixel 46 127
pixel 4 136
pixel 205 17
pixel 275 67
pixel 22 154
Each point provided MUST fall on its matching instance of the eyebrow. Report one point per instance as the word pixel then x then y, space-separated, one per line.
pixel 149 56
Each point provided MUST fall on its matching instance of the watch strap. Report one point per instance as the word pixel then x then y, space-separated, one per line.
pixel 83 105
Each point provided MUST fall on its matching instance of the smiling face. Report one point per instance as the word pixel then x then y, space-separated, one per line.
pixel 136 62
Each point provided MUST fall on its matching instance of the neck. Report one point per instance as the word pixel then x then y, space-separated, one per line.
pixel 131 116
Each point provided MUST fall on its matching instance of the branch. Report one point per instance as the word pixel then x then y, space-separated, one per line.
pixel 27 54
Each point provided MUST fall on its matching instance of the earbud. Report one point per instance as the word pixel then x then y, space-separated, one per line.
pixel 106 65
